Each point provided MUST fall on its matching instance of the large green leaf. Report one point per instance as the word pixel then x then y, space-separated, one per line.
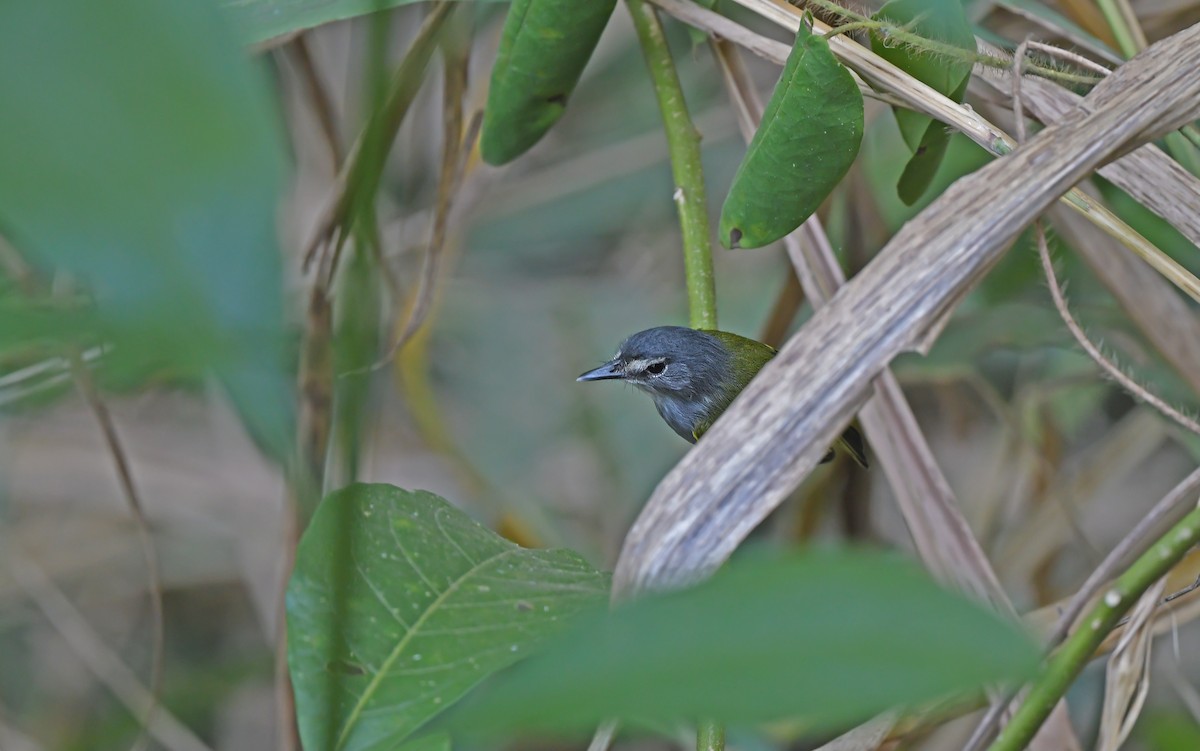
pixel 257 20
pixel 942 21
pixel 807 141
pixel 400 603
pixel 140 152
pixel 545 46
pixel 828 636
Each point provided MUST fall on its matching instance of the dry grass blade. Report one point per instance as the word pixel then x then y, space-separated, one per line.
pixel 318 96
pixel 930 509
pixel 360 174
pixel 1128 676
pixel 91 395
pixel 98 656
pixel 774 433
pixel 456 54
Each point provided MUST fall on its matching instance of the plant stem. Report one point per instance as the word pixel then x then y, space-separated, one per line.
pixel 710 736
pixel 1065 664
pixel 1129 39
pixel 683 142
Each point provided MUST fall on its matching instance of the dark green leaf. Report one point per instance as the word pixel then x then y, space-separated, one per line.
pixel 431 742
pixel 1169 732
pixel 827 636
pixel 543 51
pixel 941 21
pixel 399 603
pixel 807 141
pixel 140 152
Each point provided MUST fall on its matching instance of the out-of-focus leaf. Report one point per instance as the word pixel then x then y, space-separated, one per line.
pixel 942 21
pixel 355 347
pixel 258 20
pixel 808 139
pixel 399 603
pixel 431 742
pixel 1169 732
pixel 139 151
pixel 829 636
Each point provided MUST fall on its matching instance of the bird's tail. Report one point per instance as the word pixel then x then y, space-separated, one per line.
pixel 852 441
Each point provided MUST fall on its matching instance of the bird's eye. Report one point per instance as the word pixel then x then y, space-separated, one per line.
pixel 656 368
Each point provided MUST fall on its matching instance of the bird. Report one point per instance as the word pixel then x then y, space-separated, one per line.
pixel 693 374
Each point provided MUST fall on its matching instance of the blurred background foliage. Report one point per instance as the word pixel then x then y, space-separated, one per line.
pixel 163 168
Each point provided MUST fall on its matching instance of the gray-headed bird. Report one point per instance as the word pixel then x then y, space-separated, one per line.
pixel 693 374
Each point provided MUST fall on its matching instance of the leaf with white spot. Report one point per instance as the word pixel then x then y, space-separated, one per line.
pixel 400 603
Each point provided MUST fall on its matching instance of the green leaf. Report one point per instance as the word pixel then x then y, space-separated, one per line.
pixel 1161 731
pixel 153 180
pixel 432 742
pixel 258 20
pixel 828 636
pixel 941 21
pixel 807 141
pixel 543 50
pixel 399 603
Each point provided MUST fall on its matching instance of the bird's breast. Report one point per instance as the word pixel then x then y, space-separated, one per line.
pixel 683 416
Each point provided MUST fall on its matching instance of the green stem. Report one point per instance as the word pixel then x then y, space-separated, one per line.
pixel 710 736
pixel 1126 37
pixel 683 142
pixel 1065 664
pixel 1132 40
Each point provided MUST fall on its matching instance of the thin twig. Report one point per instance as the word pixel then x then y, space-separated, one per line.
pixel 1107 365
pixel 456 50
pixel 322 104
pixel 87 389
pixel 358 180
pixel 104 663
pixel 1068 55
pixel 1056 293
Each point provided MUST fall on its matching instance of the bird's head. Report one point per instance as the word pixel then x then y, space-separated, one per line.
pixel 669 361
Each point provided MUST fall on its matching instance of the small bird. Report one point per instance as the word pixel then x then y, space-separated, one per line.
pixel 693 374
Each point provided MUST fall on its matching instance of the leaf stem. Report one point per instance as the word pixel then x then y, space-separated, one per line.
pixel 1065 664
pixel 683 143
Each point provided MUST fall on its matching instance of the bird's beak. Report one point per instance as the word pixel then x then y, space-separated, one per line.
pixel 607 371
